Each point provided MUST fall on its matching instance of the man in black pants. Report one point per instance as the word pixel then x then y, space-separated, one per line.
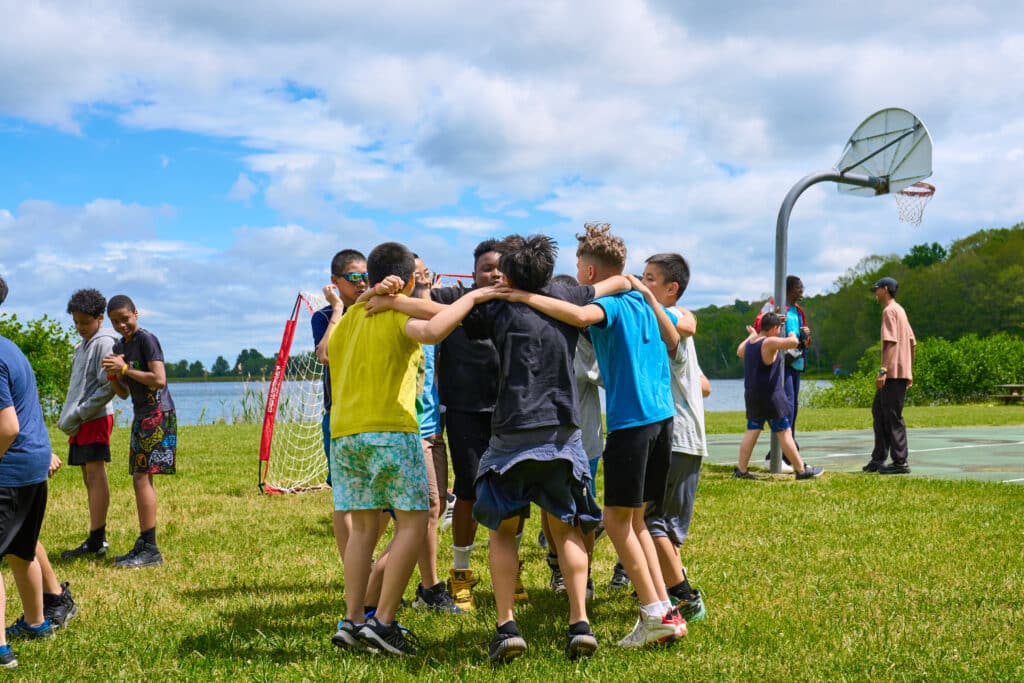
pixel 895 376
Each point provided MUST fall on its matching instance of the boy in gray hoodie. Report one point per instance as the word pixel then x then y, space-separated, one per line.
pixel 87 417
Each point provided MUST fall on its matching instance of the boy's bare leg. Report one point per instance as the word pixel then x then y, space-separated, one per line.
pixel 373 586
pixel 650 554
pixel 618 522
pixel 145 499
pixel 342 525
pixel 463 523
pixel 747 447
pixel 504 559
pixel 50 583
pixel 362 539
pixel 669 561
pixel 410 525
pixel 427 560
pixel 94 476
pixel 789 448
pixel 573 561
pixel 28 578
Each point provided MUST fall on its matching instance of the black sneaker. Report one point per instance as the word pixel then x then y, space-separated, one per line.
pixel 580 645
pixel 142 555
pixel 7 658
pixel 872 466
pixel 557 582
pixel 345 637
pixel 86 550
pixel 810 472
pixel 505 647
pixel 590 589
pixel 894 468
pixel 59 608
pixel 736 474
pixel 436 598
pixel 387 638
pixel 619 577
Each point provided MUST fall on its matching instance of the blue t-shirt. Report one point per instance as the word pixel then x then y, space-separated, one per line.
pixel 793 325
pixel 633 362
pixel 430 413
pixel 28 459
pixel 319 322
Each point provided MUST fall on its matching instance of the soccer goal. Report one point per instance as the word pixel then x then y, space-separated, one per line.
pixel 292 456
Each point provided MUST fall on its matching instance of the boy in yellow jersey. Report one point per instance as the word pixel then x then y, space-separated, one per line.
pixel 376 456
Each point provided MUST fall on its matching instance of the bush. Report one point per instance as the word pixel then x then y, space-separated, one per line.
pixel 48 347
pixel 945 372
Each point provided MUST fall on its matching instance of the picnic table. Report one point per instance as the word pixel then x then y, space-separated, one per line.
pixel 1010 393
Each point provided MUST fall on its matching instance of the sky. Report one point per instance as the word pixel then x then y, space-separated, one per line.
pixel 208 159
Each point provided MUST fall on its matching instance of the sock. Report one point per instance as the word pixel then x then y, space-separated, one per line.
pixel 97 537
pixel 655 610
pixel 681 591
pixel 509 628
pixel 460 556
pixel 149 536
pixel 666 605
pixel 580 628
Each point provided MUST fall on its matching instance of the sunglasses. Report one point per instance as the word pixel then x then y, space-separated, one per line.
pixel 355 278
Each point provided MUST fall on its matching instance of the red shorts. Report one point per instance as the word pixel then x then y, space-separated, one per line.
pixel 94 431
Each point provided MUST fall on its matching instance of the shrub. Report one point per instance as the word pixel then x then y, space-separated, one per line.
pixel 48 346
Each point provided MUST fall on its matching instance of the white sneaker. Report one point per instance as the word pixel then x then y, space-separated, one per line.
pixel 785 468
pixel 651 630
pixel 449 510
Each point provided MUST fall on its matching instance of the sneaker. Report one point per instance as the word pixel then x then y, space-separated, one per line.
pixel 784 466
pixel 675 617
pixel 436 598
pixel 142 555
pixel 557 582
pixel 85 550
pixel 620 579
pixel 449 510
pixel 651 631
pixel 893 468
pixel 590 589
pixel 520 595
pixel 387 638
pixel 21 629
pixel 736 474
pixel 542 540
pixel 691 607
pixel 59 608
pixel 580 645
pixel 346 635
pixel 505 647
pixel 460 587
pixel 7 658
pixel 872 466
pixel 810 472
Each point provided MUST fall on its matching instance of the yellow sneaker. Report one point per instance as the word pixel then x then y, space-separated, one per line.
pixel 460 585
pixel 520 595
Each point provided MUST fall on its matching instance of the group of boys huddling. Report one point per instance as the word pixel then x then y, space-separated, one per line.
pixel 102 365
pixel 515 357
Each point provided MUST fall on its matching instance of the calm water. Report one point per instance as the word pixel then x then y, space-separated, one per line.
pixel 208 402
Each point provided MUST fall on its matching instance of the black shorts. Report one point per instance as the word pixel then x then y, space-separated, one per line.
pixel 468 437
pixel 636 464
pixel 90 452
pixel 21 516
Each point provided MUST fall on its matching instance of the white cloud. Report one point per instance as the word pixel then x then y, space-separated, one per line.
pixel 243 188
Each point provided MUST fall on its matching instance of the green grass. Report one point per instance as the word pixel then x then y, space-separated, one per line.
pixel 844 578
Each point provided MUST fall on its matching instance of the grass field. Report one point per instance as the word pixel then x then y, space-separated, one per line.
pixel 844 578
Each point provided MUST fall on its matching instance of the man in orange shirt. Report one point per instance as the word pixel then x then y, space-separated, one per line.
pixel 895 376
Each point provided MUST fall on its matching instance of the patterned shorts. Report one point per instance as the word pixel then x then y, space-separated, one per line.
pixel 154 443
pixel 377 470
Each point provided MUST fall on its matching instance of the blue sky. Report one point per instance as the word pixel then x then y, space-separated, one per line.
pixel 209 160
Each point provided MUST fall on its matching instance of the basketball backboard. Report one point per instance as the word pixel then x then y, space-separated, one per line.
pixel 891 144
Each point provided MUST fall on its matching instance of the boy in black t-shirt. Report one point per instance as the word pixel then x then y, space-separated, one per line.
pixel 136 368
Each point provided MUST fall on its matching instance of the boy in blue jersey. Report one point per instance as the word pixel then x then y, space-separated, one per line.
pixel 634 366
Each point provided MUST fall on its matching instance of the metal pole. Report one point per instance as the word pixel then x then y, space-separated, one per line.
pixel 781 236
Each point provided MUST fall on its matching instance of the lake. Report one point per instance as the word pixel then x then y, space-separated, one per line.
pixel 209 402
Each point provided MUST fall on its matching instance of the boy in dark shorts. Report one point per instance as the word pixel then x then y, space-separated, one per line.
pixel 634 367
pixel 25 457
pixel 88 417
pixel 765 394
pixel 136 368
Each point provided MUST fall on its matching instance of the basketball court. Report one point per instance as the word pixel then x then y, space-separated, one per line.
pixel 978 453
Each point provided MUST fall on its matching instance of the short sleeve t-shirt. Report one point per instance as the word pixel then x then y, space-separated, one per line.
pixel 429 407
pixel 536 382
pixel 688 424
pixel 28 457
pixel 793 327
pixel 374 370
pixel 139 351
pixel 319 322
pixel 896 329
pixel 467 369
pixel 633 362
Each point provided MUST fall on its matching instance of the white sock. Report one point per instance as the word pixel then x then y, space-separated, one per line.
pixel 667 606
pixel 653 610
pixel 460 556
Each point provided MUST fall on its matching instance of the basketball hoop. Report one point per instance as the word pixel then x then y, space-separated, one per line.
pixel 910 202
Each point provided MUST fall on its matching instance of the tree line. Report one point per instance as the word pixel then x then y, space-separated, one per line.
pixel 973 287
pixel 249 363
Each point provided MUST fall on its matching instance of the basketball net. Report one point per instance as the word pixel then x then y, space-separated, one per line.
pixel 910 202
